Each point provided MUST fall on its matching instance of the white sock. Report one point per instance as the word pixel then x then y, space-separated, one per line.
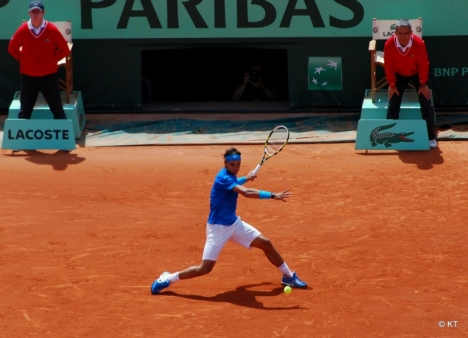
pixel 284 268
pixel 173 277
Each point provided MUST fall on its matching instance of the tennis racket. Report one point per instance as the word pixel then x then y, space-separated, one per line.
pixel 274 143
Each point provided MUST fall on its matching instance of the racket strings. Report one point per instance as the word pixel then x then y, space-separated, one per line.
pixel 276 141
pixel 273 148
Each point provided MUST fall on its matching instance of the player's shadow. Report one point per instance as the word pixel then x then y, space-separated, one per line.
pixel 424 160
pixel 241 296
pixel 59 160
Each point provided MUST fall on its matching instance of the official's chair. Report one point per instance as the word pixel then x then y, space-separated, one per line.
pixel 66 81
pixel 382 30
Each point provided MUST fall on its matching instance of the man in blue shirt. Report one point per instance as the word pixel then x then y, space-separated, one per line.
pixel 224 225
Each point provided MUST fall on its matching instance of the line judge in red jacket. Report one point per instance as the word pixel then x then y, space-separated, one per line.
pixel 406 61
pixel 38 45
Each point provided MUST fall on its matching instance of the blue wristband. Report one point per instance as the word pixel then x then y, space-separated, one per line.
pixel 264 195
pixel 241 180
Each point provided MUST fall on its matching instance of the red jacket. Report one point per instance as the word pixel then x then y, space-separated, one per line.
pixel 413 61
pixel 38 55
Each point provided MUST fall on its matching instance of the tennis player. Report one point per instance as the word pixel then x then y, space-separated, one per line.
pixel 224 225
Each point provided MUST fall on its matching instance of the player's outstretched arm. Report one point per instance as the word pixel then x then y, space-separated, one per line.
pixel 255 193
pixel 282 195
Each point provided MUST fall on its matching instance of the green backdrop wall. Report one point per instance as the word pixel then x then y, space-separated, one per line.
pixel 110 35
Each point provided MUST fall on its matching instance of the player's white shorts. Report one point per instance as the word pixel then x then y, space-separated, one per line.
pixel 218 235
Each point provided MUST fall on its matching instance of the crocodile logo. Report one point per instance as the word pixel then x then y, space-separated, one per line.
pixel 388 138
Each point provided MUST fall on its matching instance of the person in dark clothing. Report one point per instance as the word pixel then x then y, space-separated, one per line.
pixel 253 88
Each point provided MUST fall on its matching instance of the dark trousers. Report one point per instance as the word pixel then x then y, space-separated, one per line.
pixel 427 109
pixel 49 86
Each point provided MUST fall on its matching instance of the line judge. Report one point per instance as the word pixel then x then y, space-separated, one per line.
pixel 38 45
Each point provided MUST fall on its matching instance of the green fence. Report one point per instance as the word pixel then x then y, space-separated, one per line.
pixel 110 35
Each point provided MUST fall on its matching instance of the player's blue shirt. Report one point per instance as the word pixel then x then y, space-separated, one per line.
pixel 223 200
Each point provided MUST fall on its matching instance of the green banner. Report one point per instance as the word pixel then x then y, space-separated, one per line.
pixel 325 73
pixel 174 19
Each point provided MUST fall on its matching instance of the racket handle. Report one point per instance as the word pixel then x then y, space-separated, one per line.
pixel 255 171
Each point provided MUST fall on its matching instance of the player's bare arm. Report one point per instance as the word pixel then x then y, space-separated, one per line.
pixel 255 193
pixel 251 176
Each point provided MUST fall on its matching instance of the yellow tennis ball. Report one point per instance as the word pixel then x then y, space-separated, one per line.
pixel 287 290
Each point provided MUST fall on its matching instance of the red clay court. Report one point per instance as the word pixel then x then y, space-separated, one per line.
pixel 379 237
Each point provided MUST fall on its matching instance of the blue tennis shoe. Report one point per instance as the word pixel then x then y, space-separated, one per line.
pixel 294 282
pixel 161 283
